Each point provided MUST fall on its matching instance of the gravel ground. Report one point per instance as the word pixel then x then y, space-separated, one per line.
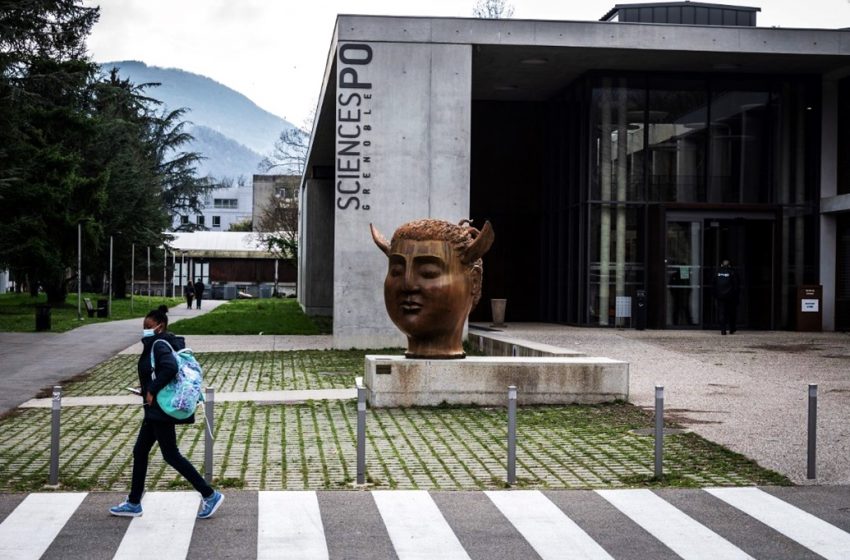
pixel 747 391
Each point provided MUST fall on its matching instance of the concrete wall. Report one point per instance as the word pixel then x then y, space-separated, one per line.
pixel 402 153
pixel 492 344
pixel 316 248
pixel 828 189
pixel 393 381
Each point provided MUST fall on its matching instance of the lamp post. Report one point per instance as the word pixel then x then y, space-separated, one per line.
pixel 164 269
pixel 132 274
pixel 149 271
pixel 173 270
pixel 109 306
pixel 79 270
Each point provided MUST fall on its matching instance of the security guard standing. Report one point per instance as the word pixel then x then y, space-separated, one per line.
pixel 726 290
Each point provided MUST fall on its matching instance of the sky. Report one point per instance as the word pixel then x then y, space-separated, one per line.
pixel 274 51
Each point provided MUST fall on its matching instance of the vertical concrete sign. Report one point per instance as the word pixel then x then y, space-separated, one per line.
pixel 401 153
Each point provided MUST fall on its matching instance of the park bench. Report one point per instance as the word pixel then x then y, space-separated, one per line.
pixel 101 307
pixel 89 307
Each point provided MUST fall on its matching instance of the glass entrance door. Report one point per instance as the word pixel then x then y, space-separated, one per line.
pixel 683 272
pixel 748 244
pixel 695 247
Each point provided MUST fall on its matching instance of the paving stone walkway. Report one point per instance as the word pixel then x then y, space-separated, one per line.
pixel 268 444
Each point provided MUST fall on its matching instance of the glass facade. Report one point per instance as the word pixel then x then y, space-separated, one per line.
pixel 657 178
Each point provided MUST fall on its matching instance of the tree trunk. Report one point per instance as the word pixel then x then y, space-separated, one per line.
pixel 119 291
pixel 32 285
pixel 56 291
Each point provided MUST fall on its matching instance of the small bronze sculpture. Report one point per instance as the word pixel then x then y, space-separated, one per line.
pixel 433 282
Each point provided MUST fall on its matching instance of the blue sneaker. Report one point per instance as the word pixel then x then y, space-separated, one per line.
pixel 210 505
pixel 126 509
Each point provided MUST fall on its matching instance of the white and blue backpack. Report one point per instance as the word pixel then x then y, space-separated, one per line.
pixel 181 396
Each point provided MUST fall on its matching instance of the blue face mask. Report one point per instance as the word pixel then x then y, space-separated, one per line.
pixel 148 332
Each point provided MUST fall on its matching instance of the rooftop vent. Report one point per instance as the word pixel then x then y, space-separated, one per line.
pixel 688 13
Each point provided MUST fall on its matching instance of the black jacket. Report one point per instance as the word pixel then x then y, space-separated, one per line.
pixel 726 285
pixel 166 369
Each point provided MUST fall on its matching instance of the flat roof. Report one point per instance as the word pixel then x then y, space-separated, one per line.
pixel 618 7
pixel 219 244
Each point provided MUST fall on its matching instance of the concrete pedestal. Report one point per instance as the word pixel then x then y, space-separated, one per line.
pixel 394 381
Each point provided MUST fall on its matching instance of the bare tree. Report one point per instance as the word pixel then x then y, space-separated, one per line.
pixel 290 149
pixel 277 224
pixel 492 9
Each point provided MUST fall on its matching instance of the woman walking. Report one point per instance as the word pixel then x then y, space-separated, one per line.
pixel 189 293
pixel 157 426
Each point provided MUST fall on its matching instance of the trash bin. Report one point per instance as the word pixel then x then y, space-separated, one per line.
pixel 102 307
pixel 497 309
pixel 42 317
pixel 639 310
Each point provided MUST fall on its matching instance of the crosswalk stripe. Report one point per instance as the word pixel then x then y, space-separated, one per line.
pixel 546 528
pixel 416 526
pixel 165 528
pixel 28 531
pixel 679 532
pixel 290 526
pixel 815 534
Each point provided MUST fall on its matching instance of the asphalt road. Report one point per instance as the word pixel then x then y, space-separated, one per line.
pixel 33 361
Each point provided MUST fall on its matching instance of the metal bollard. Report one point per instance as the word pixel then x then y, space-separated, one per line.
pixel 659 430
pixel 361 431
pixel 811 463
pixel 209 441
pixel 56 412
pixel 512 434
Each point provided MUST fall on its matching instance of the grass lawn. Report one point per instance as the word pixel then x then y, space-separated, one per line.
pixel 255 316
pixel 17 311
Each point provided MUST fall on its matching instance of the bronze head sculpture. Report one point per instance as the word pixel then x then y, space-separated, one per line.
pixel 433 282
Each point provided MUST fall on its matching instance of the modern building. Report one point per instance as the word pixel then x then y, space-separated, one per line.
pixel 222 208
pixel 614 158
pixel 270 187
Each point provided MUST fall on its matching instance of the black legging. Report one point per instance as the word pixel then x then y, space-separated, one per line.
pixel 162 432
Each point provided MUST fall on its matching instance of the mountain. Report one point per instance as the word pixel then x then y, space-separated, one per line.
pixel 225 157
pixel 230 130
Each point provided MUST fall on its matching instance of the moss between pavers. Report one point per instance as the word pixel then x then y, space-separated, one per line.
pixel 239 371
pixel 310 446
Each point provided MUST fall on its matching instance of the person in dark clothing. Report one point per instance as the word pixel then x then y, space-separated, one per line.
pixel 157 426
pixel 726 290
pixel 189 293
pixel 199 292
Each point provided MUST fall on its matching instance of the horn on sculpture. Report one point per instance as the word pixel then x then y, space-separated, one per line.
pixel 481 245
pixel 380 240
